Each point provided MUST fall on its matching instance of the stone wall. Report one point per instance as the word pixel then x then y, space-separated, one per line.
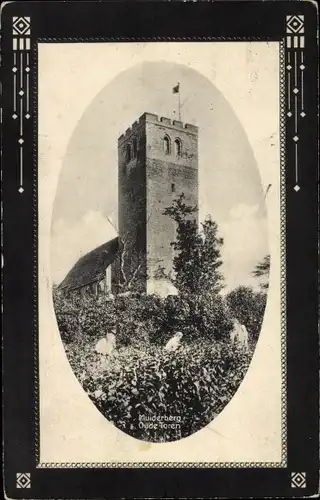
pixel 151 176
pixel 168 176
pixel 132 208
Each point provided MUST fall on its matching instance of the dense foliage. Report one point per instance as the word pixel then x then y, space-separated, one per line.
pixel 147 318
pixel 261 271
pixel 140 386
pixel 197 256
pixel 248 306
pixel 191 385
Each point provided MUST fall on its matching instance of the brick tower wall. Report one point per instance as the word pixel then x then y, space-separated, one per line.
pixel 148 183
pixel 132 206
pixel 167 177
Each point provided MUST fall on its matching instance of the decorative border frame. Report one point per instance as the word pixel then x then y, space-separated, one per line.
pixel 288 48
pixel 295 64
pixel 200 465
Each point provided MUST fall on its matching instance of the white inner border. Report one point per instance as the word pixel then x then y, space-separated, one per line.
pixel 72 431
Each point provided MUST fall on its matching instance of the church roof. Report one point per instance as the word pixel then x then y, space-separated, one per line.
pixel 91 267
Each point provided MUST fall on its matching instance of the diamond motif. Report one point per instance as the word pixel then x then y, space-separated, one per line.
pixel 289 113
pixel 295 90
pixel 21 25
pixel 289 67
pixel 298 479
pixel 14 116
pixel 21 92
pixel 296 138
pixel 27 69
pixel 302 114
pixel 21 191
pixel 14 69
pixel 295 25
pixel 302 66
pixel 21 141
pixel 296 188
pixel 27 116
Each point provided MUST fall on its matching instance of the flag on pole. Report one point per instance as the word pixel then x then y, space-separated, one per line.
pixel 176 89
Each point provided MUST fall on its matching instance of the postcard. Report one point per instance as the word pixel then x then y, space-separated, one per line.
pixel 160 250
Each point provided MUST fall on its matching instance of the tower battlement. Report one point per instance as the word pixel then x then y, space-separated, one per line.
pixel 167 122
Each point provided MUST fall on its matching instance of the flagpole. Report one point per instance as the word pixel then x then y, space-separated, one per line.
pixel 176 90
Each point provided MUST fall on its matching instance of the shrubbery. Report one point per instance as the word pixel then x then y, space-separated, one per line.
pixel 192 384
pixel 140 377
pixel 248 306
pixel 142 380
pixel 148 318
pixel 67 314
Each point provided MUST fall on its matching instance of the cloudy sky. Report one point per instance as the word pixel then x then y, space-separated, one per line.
pixel 234 157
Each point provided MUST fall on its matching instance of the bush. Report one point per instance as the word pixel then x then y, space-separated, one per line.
pixel 67 314
pixel 88 316
pixel 157 319
pixel 191 385
pixel 140 380
pixel 147 318
pixel 137 317
pixel 96 316
pixel 209 318
pixel 248 307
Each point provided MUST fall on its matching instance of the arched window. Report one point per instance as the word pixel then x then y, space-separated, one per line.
pixel 128 152
pixel 140 148
pixel 166 145
pixel 177 147
pixel 135 147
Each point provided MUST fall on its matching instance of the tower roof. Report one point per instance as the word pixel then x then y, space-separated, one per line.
pixel 91 267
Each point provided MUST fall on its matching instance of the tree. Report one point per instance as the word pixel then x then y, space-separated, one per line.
pixel 197 257
pixel 248 307
pixel 198 310
pixel 129 264
pixel 262 270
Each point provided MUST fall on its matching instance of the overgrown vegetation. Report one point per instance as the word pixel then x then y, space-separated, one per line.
pixel 261 271
pixel 140 386
pixel 248 306
pixel 197 257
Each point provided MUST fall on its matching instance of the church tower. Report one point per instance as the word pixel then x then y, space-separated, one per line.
pixel 158 160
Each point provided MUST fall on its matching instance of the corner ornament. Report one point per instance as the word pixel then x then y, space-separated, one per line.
pixel 23 480
pixel 298 480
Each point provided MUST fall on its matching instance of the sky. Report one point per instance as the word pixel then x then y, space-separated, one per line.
pixel 230 186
